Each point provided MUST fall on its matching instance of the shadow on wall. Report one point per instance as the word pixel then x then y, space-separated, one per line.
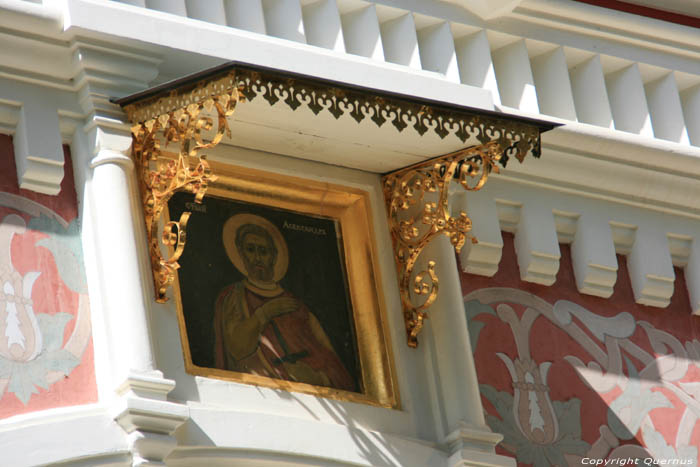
pixel 570 379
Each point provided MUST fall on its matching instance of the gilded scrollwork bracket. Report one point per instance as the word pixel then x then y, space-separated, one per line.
pixel 417 199
pixel 193 121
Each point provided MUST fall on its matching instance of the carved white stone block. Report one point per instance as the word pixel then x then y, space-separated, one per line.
pixel 551 77
pixel 211 11
pixel 283 18
pixel 175 7
pixel 514 74
pixel 691 111
pixel 322 25
pixel 361 33
pixel 590 93
pixel 651 269
pixel 593 257
pixel 400 41
pixel 536 245
pixel 628 101
pixel 483 257
pixel 245 14
pixel 666 110
pixel 692 277
pixel 437 50
pixel 38 147
pixel 475 65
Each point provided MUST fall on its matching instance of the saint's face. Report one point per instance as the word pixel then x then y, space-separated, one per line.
pixel 258 257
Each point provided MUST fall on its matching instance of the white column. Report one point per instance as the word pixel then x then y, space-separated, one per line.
pixel 437 50
pixel 536 244
pixel 468 437
pixel 551 76
pixel 283 18
pixel 475 64
pixel 691 111
pixel 650 268
pixel 590 94
pixel 245 14
pixel 176 7
pixel 211 11
pixel 666 109
pixel 628 101
pixel 400 41
pixel 38 150
pixel 322 25
pixel 124 303
pixel 361 33
pixel 514 75
pixel 593 256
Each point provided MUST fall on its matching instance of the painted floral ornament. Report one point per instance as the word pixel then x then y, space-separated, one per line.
pixel 20 335
pixel 33 354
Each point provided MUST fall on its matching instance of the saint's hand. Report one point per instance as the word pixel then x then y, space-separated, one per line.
pixel 276 307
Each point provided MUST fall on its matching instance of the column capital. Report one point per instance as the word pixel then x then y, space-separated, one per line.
pixel 474 445
pixel 149 420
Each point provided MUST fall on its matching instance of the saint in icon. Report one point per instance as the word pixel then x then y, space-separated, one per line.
pixel 259 327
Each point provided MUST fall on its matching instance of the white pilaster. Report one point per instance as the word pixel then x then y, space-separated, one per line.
pixel 437 50
pixel 361 33
pixel 551 77
pixel 650 268
pixel 175 7
pixel 468 436
pixel 593 256
pixel 283 18
pixel 590 94
pixel 400 41
pixel 691 111
pixel 536 245
pixel 38 149
pixel 211 11
pixel 475 65
pixel 483 257
pixel 322 25
pixel 245 14
pixel 666 110
pixel 514 75
pixel 628 101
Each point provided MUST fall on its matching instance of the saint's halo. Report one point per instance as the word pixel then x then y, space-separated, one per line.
pixel 228 235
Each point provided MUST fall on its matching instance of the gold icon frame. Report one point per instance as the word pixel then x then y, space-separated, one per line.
pixel 351 208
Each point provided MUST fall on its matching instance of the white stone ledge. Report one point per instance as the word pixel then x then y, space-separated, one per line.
pixel 210 439
pixel 64 435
